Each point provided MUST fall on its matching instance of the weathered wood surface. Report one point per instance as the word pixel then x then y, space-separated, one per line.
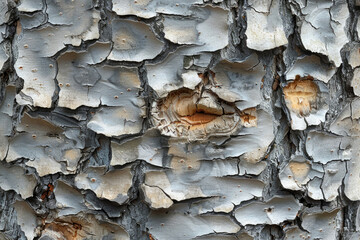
pixel 179 119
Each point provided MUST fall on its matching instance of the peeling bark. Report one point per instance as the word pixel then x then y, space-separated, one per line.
pixel 154 119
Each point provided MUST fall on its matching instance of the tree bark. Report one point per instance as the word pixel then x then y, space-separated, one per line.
pixel 170 119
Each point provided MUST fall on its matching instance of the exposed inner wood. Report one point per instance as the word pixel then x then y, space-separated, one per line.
pixel 193 109
pixel 249 117
pixel 199 118
pixel 197 114
pixel 300 96
pixel 64 230
pixel 299 169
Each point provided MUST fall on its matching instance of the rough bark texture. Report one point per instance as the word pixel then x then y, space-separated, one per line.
pixel 188 119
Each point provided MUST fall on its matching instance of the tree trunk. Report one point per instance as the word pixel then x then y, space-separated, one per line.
pixel 183 119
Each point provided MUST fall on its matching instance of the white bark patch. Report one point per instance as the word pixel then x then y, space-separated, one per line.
pixel 172 74
pixel 83 84
pixel 251 167
pixel 112 185
pixel 320 182
pixel 149 147
pixel 117 121
pixel 322 225
pixel 4 12
pixel 30 5
pixel 295 174
pixel 310 66
pixel 156 197
pixel 264 25
pixel 355 82
pixel 314 189
pixel 332 147
pixel 334 174
pixel 181 31
pixel 180 222
pixel 4 55
pixel 191 179
pixel 68 13
pixel 358 27
pixel 68 199
pixel 133 41
pixel 323 28
pixel 342 146
pixel 35 46
pixel 6 112
pixel 150 8
pixel 240 81
pixel 14 178
pixel 163 77
pixel 275 211
pixel 204 30
pixel 77 78
pixel 212 30
pixel 354 55
pixel 26 218
pixel 295 233
pixel 353 174
pixel 46 146
pixel 33 21
pixel 39 78
pixel 220 236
